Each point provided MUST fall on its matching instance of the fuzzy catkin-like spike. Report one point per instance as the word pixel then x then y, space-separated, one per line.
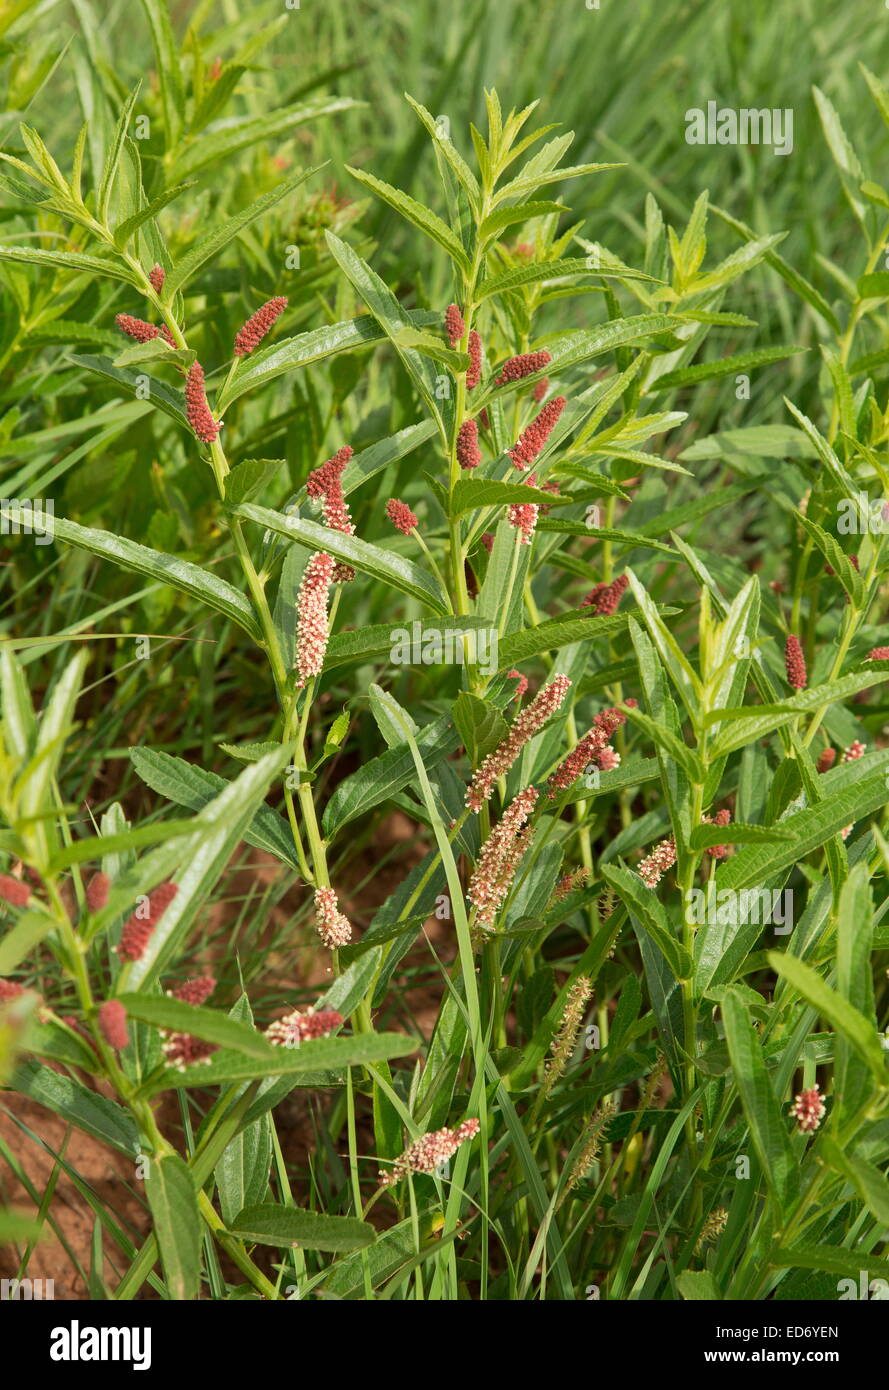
pixel 195 991
pixel 137 929
pixel 525 364
pixel 591 1146
pixel 333 928
pixel 878 654
pixel 794 663
pixel 527 723
pixel 197 408
pixel 826 760
pixel 808 1110
pixel 499 859
pixel 13 891
pixel 586 750
pixel 325 484
pixel 455 326
pixel 531 441
pixel 652 868
pixel 258 325
pixel 10 989
pixel 606 597
pixel 566 1039
pixel 428 1152
pixel 312 632
pixel 97 891
pixel 401 516
pixel 137 329
pixel 156 277
pixel 113 1023
pixel 523 516
pixel 297 1027
pixel 468 452
pixel 522 686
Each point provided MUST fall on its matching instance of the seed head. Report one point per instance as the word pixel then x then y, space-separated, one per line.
pixel 258 325
pixel 794 663
pixel 401 516
pixel 196 406
pixel 531 441
pixel 428 1152
pixel 312 631
pixel 333 928
pixel 565 1040
pixel 468 452
pixel 113 1023
pixel 527 723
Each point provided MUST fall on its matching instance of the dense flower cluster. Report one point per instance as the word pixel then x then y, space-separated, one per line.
pixel 333 928
pixel 181 1050
pixel 113 1023
pixel 563 1044
pixel 500 857
pixel 312 632
pixel 138 928
pixel 527 723
pixel 401 516
pixel 522 686
pixel 594 743
pixel 156 277
pixel 652 868
pixel 297 1027
pixel 325 485
pixel 258 325
pixel 826 760
pixel 878 654
pixel 468 452
pixel 197 409
pixel 429 1152
pixel 13 891
pixel 474 370
pixel 525 364
pixel 97 891
pixel 531 441
pixel 794 663
pixel 455 326
pixel 195 991
pixel 808 1110
pixel 606 597
pixel 523 516
pixel 10 989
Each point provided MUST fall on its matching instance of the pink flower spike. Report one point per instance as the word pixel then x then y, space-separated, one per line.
pixel 429 1152
pixel 606 597
pixel 401 516
pixel 333 928
pixel 854 751
pixel 499 859
pixel 156 277
pixel 195 991
pixel 878 654
pixel 137 930
pixel 97 891
pixel 541 389
pixel 468 452
pixel 196 406
pixel 527 723
pixel 13 891
pixel 113 1023
pixel 531 441
pixel 826 760
pixel 795 663
pixel 455 326
pixel 652 869
pixel 522 683
pixel 808 1110
pixel 526 364
pixel 258 325
pixel 312 632
pixel 296 1027
pixel 10 989
pixel 523 516
pixel 325 485
pixel 137 329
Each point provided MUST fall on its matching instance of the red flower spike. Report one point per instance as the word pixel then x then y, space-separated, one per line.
pixel 258 325
pixel 97 891
pixel 454 324
pixel 157 275
pixel 525 364
pixel 531 441
pixel 474 370
pixel 401 516
pixel 795 663
pixel 468 452
pixel 137 329
pixel 113 1023
pixel 195 991
pixel 13 891
pixel 196 406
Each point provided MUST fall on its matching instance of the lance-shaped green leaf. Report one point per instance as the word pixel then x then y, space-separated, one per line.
pixel 310 1058
pixel 132 381
pixel 201 584
pixel 854 978
pixel 423 218
pixel 271 1224
pixel 768 1126
pixel 671 743
pixel 209 1024
pixel 723 366
pixel 835 468
pixel 668 649
pixel 651 914
pixel 870 1184
pixel 855 1028
pixel 392 569
pixel 78 1105
pixel 539 273
pixel 68 260
pixel 742 728
pixel 243 132
pixel 173 1198
pixel 703 836
pixel 836 557
pixel 550 636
